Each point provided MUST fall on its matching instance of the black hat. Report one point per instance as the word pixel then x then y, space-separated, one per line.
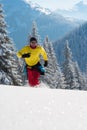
pixel 33 39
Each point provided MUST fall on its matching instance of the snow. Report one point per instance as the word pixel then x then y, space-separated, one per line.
pixel 41 108
pixel 38 7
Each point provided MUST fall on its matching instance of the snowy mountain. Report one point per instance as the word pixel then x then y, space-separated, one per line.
pixel 78 44
pixel 20 15
pixel 79 11
pixel 38 7
pixel 25 108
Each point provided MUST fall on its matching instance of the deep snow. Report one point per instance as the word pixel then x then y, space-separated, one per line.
pixel 26 108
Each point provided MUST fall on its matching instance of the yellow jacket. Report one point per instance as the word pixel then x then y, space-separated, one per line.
pixel 34 54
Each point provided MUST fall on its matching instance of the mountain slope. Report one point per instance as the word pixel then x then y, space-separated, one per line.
pixel 20 15
pixel 25 108
pixel 78 11
pixel 78 44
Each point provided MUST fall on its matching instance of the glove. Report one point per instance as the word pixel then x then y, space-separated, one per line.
pixel 46 63
pixel 26 55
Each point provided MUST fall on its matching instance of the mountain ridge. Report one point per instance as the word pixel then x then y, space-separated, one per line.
pixel 78 11
pixel 78 45
pixel 20 15
pixel 38 7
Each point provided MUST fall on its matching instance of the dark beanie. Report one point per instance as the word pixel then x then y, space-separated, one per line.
pixel 33 39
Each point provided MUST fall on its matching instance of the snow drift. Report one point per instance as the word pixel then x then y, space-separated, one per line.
pixel 26 108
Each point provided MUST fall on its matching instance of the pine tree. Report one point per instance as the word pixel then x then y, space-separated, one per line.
pixel 9 64
pixel 85 81
pixel 79 76
pixel 34 32
pixel 68 69
pixel 86 73
pixel 53 75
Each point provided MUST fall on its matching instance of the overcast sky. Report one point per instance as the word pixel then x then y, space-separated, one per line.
pixel 55 4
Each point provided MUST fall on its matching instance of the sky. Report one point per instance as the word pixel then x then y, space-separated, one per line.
pixel 56 4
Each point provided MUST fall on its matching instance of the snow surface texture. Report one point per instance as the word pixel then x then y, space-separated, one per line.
pixel 27 108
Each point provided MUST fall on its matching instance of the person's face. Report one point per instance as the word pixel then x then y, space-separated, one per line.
pixel 33 43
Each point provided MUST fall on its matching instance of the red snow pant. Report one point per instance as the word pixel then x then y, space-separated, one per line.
pixel 33 77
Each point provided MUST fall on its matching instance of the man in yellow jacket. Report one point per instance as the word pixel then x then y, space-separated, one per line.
pixel 31 54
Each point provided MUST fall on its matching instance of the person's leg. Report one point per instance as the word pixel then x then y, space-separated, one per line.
pixel 36 76
pixel 33 77
pixel 30 76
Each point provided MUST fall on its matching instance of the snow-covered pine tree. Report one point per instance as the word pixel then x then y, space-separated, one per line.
pixel 68 69
pixel 86 75
pixel 9 66
pixel 53 75
pixel 86 72
pixel 85 79
pixel 79 76
pixel 34 32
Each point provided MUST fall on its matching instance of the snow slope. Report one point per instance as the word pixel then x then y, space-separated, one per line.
pixel 26 108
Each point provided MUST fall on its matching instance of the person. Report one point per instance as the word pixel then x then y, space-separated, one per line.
pixel 31 54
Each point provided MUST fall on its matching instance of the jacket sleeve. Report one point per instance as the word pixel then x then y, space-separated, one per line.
pixel 44 54
pixel 21 52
